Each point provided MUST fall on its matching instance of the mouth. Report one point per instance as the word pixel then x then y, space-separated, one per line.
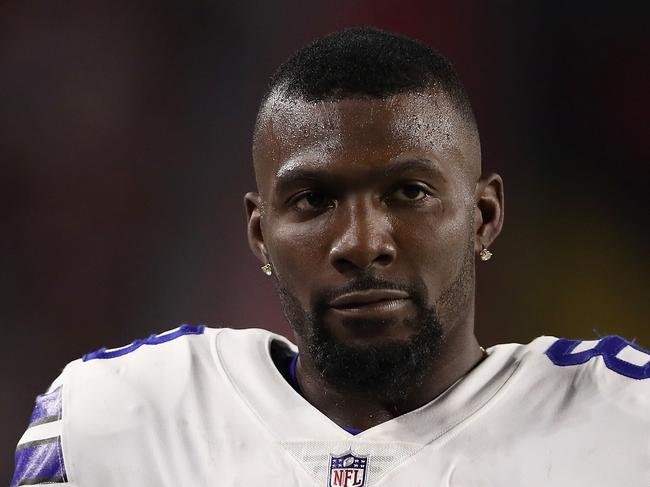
pixel 370 302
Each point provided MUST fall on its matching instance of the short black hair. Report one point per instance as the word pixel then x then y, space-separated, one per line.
pixel 365 62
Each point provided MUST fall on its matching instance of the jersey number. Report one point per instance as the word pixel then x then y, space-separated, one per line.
pixel 619 355
pixel 104 353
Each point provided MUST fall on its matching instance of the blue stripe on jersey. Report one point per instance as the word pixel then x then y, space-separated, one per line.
pixel 47 408
pixel 103 353
pixel 39 462
pixel 561 353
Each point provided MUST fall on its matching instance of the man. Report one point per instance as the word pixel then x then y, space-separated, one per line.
pixel 370 213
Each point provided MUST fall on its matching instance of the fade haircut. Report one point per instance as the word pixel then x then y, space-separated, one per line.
pixel 366 62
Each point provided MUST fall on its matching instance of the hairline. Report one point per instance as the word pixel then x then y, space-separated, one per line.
pixel 280 92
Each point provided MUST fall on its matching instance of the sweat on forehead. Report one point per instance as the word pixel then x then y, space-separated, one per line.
pixel 420 122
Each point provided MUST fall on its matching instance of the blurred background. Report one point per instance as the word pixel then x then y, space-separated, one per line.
pixel 125 131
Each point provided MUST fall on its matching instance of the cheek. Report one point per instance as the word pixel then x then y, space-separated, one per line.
pixel 434 246
pixel 297 252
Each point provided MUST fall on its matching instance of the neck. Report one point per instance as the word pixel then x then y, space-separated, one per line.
pixel 460 354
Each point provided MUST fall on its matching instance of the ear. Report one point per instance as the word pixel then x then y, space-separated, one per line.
pixel 253 205
pixel 488 215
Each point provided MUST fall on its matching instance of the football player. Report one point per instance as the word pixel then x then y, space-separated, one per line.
pixel 370 215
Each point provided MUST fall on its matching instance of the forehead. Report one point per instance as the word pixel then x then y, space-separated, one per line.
pixel 352 134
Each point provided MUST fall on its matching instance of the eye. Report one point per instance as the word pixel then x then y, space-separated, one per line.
pixel 410 192
pixel 312 201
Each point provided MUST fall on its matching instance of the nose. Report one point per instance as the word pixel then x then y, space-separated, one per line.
pixel 363 238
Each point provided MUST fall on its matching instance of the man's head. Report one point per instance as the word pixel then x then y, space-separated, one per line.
pixel 371 206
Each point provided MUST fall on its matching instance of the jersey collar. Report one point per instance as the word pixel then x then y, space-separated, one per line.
pixel 244 357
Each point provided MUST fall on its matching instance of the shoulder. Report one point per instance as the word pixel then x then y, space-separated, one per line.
pixel 618 355
pixel 603 356
pixel 171 354
pixel 121 396
pixel 612 368
pixel 136 369
pixel 158 369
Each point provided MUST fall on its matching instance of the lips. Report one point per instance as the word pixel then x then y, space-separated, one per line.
pixel 370 314
pixel 369 298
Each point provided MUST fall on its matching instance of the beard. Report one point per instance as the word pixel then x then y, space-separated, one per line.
pixel 390 369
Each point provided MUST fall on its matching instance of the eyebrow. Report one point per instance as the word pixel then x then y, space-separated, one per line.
pixel 297 171
pixel 420 164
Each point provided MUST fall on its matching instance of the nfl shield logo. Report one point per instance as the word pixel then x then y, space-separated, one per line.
pixel 348 470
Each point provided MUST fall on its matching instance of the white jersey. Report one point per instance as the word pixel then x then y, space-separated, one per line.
pixel 201 407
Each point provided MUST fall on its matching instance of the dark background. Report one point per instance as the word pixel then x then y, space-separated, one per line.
pixel 125 151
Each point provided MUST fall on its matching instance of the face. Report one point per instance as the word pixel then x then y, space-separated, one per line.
pixel 369 213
